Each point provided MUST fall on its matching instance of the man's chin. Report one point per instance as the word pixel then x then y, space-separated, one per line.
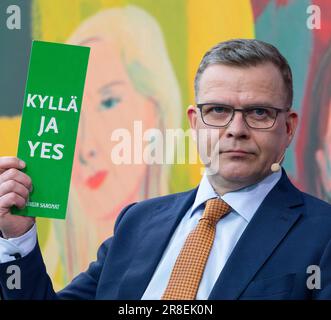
pixel 235 168
pixel 238 178
pixel 238 173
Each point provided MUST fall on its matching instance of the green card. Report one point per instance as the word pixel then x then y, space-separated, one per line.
pixel 51 110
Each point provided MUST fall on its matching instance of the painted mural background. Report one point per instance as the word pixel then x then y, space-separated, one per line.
pixel 143 60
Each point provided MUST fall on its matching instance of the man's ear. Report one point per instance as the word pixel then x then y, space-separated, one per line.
pixel 291 126
pixel 192 116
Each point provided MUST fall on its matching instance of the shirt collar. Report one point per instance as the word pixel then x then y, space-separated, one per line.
pixel 244 201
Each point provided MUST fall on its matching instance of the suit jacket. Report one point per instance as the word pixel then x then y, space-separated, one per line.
pixel 289 232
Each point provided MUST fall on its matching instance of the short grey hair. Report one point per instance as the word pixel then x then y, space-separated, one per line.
pixel 247 53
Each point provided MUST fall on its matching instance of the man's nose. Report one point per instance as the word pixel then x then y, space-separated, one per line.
pixel 238 127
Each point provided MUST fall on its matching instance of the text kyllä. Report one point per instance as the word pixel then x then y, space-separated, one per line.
pixel 51 103
pixel 48 150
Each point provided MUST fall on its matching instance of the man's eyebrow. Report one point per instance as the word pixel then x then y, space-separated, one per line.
pixel 246 105
pixel 110 84
pixel 258 104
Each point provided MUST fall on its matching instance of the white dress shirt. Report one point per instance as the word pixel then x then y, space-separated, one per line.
pixel 244 203
pixel 22 245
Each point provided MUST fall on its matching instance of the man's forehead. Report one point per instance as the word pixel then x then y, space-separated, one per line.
pixel 266 70
pixel 245 81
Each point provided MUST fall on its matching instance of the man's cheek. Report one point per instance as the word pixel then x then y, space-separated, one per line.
pixel 204 150
pixel 208 142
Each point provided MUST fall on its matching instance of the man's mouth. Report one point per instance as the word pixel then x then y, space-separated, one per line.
pixel 237 152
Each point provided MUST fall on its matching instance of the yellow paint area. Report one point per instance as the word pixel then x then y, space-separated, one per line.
pixel 211 22
pixel 9 133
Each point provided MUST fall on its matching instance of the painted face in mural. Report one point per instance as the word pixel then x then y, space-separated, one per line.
pixel 323 158
pixel 111 102
pixel 240 87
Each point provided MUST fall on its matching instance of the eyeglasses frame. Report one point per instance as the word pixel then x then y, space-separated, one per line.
pixel 278 110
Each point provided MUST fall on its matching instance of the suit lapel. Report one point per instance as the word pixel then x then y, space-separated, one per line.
pixel 277 214
pixel 157 234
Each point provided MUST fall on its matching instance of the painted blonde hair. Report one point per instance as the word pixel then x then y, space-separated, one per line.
pixel 145 58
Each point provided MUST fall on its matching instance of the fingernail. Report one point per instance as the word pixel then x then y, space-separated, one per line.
pixel 22 164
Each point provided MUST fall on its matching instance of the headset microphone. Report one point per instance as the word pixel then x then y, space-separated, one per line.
pixel 276 165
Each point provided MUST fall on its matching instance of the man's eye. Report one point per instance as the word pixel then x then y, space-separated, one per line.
pixel 219 109
pixel 110 103
pixel 260 111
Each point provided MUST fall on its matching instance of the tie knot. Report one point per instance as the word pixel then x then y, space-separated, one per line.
pixel 215 210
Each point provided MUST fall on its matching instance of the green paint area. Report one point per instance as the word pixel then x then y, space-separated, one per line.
pixel 175 36
pixel 285 27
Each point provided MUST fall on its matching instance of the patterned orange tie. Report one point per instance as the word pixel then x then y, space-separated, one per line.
pixel 190 264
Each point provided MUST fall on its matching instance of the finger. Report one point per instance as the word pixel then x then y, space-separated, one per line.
pixel 12 199
pixel 16 175
pixel 14 186
pixel 11 162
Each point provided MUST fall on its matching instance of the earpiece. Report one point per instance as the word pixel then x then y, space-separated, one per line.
pixel 276 165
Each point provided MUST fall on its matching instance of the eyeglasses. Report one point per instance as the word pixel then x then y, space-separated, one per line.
pixel 256 117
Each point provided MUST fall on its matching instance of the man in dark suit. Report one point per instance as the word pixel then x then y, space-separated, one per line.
pixel 244 233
